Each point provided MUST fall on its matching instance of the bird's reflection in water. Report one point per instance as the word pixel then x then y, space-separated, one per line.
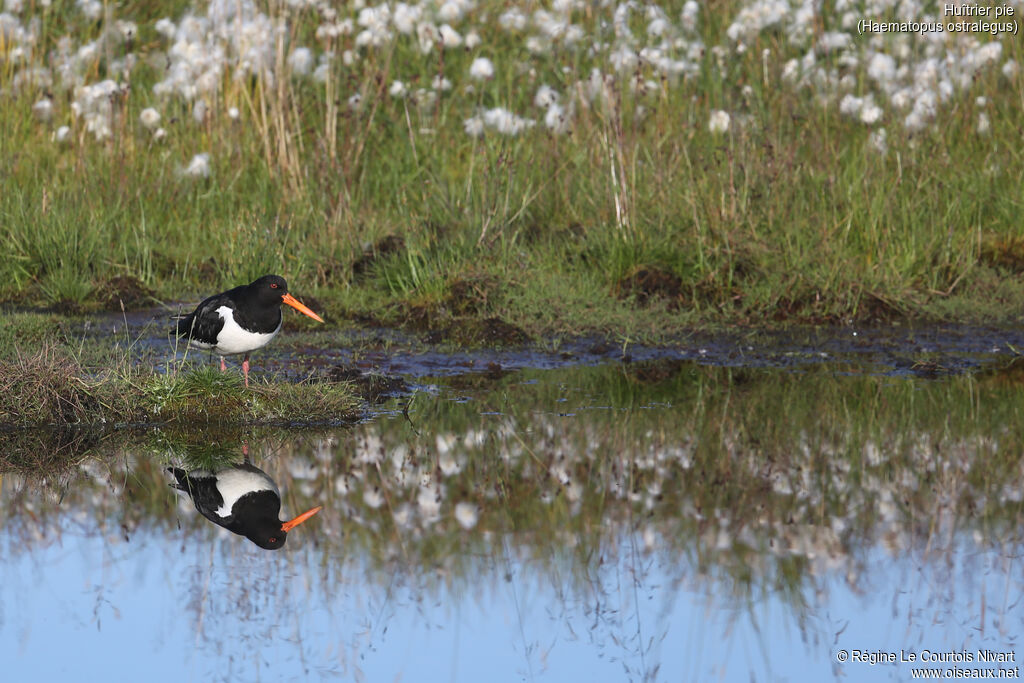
pixel 241 498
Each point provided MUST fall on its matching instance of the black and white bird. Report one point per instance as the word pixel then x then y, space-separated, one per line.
pixel 241 498
pixel 240 320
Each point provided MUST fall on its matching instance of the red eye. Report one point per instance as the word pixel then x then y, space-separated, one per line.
pixel 273 285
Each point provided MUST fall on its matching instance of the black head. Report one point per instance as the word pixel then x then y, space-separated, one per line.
pixel 269 289
pixel 271 540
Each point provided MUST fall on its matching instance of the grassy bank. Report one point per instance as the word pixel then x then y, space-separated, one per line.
pixel 51 386
pixel 631 171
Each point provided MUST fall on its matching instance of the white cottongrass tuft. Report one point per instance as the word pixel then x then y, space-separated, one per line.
pixel 397 89
pixel 505 122
pixel 466 514
pixel 719 121
pixel 558 119
pixel 481 69
pixel 405 17
pixel 301 61
pixel 43 109
pixel 512 20
pixel 984 125
pixel 877 140
pixel 474 126
pixel 199 167
pixel 166 28
pixel 150 118
pixel 233 113
pixel 545 97
pixel 92 9
pixel 688 18
pixel 62 134
pixel 450 37
pixel 870 113
pixel 159 134
pixel 1011 69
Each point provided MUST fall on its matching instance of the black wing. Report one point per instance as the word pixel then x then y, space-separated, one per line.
pixel 205 323
pixel 202 490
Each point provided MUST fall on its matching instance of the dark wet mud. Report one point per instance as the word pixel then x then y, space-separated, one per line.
pixel 336 353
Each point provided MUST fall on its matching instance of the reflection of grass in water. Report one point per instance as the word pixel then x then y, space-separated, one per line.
pixel 760 481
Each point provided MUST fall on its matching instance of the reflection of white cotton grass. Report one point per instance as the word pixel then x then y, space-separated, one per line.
pixel 719 121
pixel 199 167
pixel 448 464
pixel 466 515
pixel 150 118
pixel 429 502
pixel 444 443
pixel 403 515
pixel 481 69
pixel 373 498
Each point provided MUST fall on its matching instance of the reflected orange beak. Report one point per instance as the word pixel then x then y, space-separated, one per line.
pixel 291 524
pixel 300 307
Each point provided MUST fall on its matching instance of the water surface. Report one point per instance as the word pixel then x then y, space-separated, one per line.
pixel 664 520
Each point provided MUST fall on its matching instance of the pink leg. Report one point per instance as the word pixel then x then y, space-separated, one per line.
pixel 245 369
pixel 222 366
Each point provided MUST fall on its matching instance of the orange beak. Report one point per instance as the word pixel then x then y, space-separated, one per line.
pixel 291 524
pixel 300 307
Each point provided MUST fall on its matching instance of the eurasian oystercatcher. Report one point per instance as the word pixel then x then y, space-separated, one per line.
pixel 240 320
pixel 242 499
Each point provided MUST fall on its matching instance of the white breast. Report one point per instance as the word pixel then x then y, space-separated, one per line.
pixel 233 339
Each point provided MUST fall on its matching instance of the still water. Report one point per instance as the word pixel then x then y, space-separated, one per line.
pixel 655 521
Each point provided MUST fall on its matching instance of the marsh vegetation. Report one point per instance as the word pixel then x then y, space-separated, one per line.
pixel 573 167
